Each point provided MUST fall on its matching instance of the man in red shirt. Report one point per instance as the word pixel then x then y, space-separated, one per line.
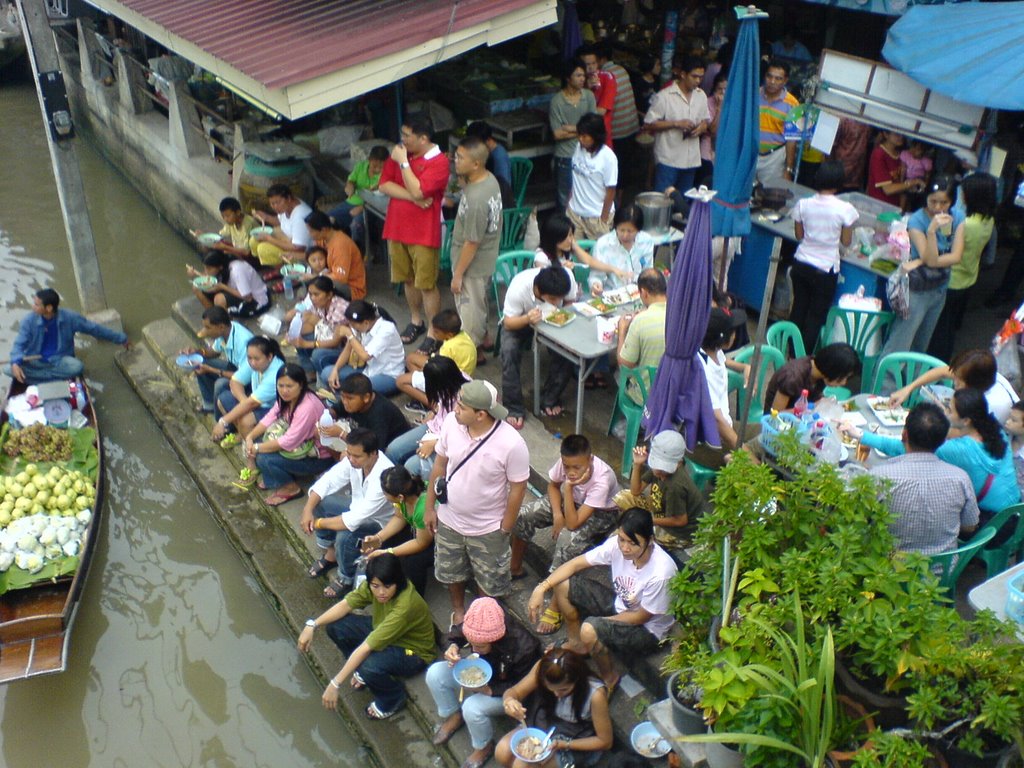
pixel 603 84
pixel 415 177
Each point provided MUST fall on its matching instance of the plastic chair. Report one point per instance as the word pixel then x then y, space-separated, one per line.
pixel 506 267
pixel 522 167
pixel 949 565
pixel 997 556
pixel 893 364
pixel 700 474
pixel 513 229
pixel 447 227
pixel 630 410
pixel 771 360
pixel 586 245
pixel 861 329
pixel 782 335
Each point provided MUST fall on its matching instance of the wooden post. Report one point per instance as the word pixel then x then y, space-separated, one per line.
pixel 42 50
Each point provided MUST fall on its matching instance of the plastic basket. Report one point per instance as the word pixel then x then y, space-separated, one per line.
pixel 770 433
pixel 1015 599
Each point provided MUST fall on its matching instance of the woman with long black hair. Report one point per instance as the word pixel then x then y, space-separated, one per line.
pixel 442 380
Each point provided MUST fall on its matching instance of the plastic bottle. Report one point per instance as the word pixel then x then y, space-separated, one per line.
pixel 360 570
pixel 295 327
pixel 333 443
pixel 289 290
pixel 801 404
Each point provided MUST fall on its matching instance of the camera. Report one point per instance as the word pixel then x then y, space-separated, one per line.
pixel 441 490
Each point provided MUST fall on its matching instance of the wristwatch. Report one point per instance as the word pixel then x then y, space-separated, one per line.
pixel 312 623
pixel 404 165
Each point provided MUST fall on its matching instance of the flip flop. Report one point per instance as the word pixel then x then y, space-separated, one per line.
pixel 552 411
pixel 376 713
pixel 518 576
pixel 277 498
pixel 550 622
pixel 320 567
pixel 229 441
pixel 515 421
pixel 413 332
pixel 358 683
pixel 247 477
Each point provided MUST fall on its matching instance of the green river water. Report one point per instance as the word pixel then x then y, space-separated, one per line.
pixel 177 658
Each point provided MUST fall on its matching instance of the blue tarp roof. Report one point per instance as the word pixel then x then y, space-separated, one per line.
pixel 971 52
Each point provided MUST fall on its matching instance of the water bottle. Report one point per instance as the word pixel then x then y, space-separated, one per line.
pixel 289 290
pixel 360 571
pixel 332 443
pixel 295 327
pixel 801 404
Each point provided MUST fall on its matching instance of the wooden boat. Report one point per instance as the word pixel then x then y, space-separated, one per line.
pixel 35 622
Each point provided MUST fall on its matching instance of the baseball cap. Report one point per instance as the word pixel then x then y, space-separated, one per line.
pixel 721 322
pixel 482 396
pixel 667 449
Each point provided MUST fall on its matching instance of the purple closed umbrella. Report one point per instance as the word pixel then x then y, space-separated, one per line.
pixel 679 394
pixel 571 36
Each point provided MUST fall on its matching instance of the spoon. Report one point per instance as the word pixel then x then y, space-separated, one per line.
pixel 547 740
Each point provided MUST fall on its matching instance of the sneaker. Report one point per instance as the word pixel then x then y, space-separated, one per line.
pixel 414 406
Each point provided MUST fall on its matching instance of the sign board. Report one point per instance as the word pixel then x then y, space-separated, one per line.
pixel 873 93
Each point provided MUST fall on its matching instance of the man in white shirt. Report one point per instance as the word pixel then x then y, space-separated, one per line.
pixel 678 115
pixel 532 295
pixel 339 520
pixel 290 217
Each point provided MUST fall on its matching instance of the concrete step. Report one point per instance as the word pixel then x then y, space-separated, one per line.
pixel 256 532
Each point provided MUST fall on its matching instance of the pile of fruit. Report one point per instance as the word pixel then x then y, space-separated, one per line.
pixel 39 442
pixel 43 516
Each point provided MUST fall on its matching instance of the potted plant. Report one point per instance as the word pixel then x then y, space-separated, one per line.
pixel 685 694
pixel 791 709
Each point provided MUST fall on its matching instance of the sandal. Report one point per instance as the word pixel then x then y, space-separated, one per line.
pixel 320 567
pixel 357 682
pixel 413 332
pixel 376 713
pixel 552 411
pixel 515 421
pixel 229 441
pixel 596 381
pixel 247 478
pixel 550 622
pixel 336 590
pixel 277 498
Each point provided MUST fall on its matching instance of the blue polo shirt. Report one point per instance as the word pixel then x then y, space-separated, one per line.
pixel 234 347
pixel 263 386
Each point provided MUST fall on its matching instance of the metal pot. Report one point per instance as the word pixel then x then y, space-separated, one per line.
pixel 657 212
pixel 772 198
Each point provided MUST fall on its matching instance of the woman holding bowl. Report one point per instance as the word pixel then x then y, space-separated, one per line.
pixel 235 286
pixel 291 446
pixel 323 326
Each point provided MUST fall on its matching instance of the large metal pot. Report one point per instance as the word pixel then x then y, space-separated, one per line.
pixel 657 211
pixel 772 198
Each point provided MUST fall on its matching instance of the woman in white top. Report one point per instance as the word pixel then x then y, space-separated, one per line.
pixel 595 174
pixel 822 223
pixel 238 287
pixel 558 244
pixel 626 248
pixel 371 340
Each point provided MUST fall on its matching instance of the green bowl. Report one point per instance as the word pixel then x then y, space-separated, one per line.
pixel 292 270
pixel 204 282
pixel 256 231
pixel 208 238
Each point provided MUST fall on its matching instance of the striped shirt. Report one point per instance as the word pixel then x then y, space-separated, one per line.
pixel 772 122
pixel 624 119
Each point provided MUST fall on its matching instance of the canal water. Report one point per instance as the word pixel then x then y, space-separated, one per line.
pixel 177 659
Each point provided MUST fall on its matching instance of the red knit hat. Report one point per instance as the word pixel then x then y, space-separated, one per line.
pixel 484 622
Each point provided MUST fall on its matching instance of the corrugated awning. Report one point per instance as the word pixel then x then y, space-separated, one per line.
pixel 301 56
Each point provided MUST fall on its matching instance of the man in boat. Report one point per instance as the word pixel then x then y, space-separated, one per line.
pixel 45 347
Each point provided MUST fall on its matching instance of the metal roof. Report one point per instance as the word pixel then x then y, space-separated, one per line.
pixel 299 56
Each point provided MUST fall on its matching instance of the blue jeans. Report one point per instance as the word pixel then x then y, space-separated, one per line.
pixel 563 180
pixel 54 369
pixel 343 217
pixel 382 383
pixel 212 386
pixel 670 176
pixel 914 333
pixel 323 360
pixel 381 669
pixel 404 446
pixel 477 709
pixel 278 470
pixel 345 543
pixel 420 468
pixel 228 401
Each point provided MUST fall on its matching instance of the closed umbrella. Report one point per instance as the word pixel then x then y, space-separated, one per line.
pixel 679 394
pixel 571 36
pixel 971 52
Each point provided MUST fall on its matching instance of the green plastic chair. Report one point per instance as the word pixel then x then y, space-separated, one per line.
pixel 904 367
pixel 630 410
pixel 784 334
pixel 949 565
pixel 513 229
pixel 506 267
pixel 861 329
pixel 586 245
pixel 771 360
pixel 447 228
pixel 522 167
pixel 700 474
pixel 997 556
pixel 839 393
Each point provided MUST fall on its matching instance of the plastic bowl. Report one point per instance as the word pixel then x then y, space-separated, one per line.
pixel 57 413
pixel 188 361
pixel 204 282
pixel 256 231
pixel 467 664
pixel 524 733
pixel 290 270
pixel 647 742
pixel 209 238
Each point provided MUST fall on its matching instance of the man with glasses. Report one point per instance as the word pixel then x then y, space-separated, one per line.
pixel 484 465
pixel 415 177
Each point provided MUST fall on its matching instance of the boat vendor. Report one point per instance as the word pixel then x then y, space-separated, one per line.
pixel 45 347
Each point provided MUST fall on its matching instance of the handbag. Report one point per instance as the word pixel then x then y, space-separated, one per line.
pixel 441 484
pixel 897 290
pixel 277 429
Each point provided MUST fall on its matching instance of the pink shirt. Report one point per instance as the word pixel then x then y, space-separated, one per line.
pixel 597 492
pixel 916 167
pixel 478 493
pixel 303 425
